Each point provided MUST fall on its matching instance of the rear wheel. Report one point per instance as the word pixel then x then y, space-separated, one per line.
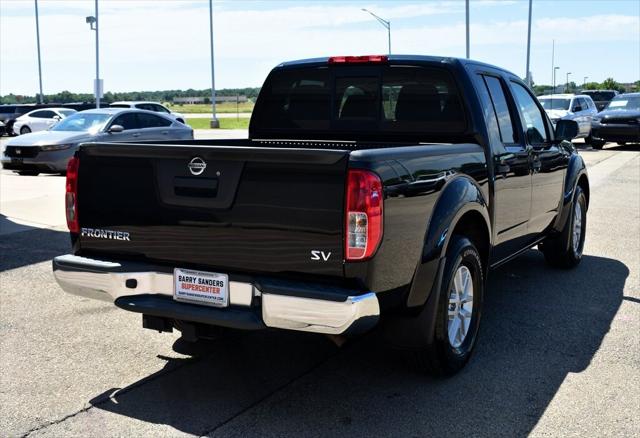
pixel 458 313
pixel 565 249
pixel 596 144
pixel 25 130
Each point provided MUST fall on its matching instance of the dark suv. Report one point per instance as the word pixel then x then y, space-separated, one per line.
pixel 601 97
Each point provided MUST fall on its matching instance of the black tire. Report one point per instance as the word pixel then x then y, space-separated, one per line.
pixel 596 144
pixel 28 173
pixel 559 250
pixel 440 357
pixel 25 130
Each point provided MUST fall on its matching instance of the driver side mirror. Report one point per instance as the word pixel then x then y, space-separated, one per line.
pixel 577 108
pixel 57 118
pixel 114 129
pixel 566 130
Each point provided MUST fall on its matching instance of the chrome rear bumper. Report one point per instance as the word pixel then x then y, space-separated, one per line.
pixel 293 309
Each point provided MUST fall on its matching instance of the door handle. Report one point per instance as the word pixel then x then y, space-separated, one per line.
pixel 136 134
pixel 165 132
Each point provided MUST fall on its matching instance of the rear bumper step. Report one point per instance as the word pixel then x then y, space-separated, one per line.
pixel 254 303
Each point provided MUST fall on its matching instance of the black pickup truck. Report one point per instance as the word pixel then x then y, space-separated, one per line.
pixel 371 189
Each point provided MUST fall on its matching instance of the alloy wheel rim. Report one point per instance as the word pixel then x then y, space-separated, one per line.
pixel 460 306
pixel 577 227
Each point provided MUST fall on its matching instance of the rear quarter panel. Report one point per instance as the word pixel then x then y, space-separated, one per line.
pixel 414 178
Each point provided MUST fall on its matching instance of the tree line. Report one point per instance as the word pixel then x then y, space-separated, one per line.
pixel 156 96
pixel 607 84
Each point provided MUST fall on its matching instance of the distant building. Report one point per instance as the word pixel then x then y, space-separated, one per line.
pixel 188 100
pixel 219 99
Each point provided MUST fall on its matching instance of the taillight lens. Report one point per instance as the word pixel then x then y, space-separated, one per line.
pixel 363 214
pixel 71 195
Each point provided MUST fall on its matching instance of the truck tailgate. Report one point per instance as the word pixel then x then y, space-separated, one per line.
pixel 252 209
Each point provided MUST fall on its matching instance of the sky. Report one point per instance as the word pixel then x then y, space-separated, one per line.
pixel 164 44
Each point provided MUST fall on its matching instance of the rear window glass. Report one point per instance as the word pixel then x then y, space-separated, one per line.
pixel 389 99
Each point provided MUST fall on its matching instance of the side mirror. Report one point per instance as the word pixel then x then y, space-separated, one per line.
pixel 57 118
pixel 566 130
pixel 114 129
pixel 577 108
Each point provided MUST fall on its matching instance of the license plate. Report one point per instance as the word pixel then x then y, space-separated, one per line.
pixel 208 288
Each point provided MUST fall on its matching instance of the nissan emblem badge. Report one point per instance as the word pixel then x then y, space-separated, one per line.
pixel 197 165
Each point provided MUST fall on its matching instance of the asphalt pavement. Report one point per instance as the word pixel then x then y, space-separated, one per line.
pixel 558 353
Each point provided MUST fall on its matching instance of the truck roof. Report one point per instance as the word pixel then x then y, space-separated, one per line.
pixel 398 59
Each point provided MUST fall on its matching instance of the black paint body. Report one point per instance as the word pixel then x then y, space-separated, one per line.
pixel 271 202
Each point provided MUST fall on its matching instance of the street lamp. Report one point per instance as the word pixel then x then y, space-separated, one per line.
pixel 215 123
pixel 567 89
pixel 584 81
pixel 468 37
pixel 527 73
pixel 92 21
pixel 554 78
pixel 385 23
pixel 41 97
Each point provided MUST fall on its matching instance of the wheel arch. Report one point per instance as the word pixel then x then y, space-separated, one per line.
pixel 460 209
pixel 576 176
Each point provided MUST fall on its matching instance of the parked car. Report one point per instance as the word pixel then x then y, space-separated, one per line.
pixel 369 186
pixel 149 106
pixel 9 114
pixel 619 121
pixel 570 107
pixel 40 119
pixel 601 97
pixel 49 151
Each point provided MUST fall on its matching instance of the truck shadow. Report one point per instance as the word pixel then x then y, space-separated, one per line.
pixel 22 245
pixel 539 326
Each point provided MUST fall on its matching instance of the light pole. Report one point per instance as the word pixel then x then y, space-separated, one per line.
pixel 215 123
pixel 553 61
pixel 567 89
pixel 554 79
pixel 467 25
pixel 93 24
pixel 527 74
pixel 385 23
pixel 41 97
pixel 584 81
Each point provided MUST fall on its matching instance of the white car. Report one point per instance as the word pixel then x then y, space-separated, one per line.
pixel 580 108
pixel 149 106
pixel 40 119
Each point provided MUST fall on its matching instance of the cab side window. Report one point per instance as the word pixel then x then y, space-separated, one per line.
pixel 532 117
pixel 501 109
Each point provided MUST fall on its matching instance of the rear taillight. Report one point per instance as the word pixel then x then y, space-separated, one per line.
pixel 363 214
pixel 71 195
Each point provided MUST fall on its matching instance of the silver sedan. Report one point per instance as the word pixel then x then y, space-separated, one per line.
pixel 49 151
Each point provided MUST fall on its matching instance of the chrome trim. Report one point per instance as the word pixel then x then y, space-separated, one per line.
pixel 96 279
pixel 356 313
pixel 106 281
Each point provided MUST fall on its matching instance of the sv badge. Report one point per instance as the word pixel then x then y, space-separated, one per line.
pixel 320 255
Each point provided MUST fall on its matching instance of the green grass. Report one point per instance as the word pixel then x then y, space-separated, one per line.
pixel 242 123
pixel 198 108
